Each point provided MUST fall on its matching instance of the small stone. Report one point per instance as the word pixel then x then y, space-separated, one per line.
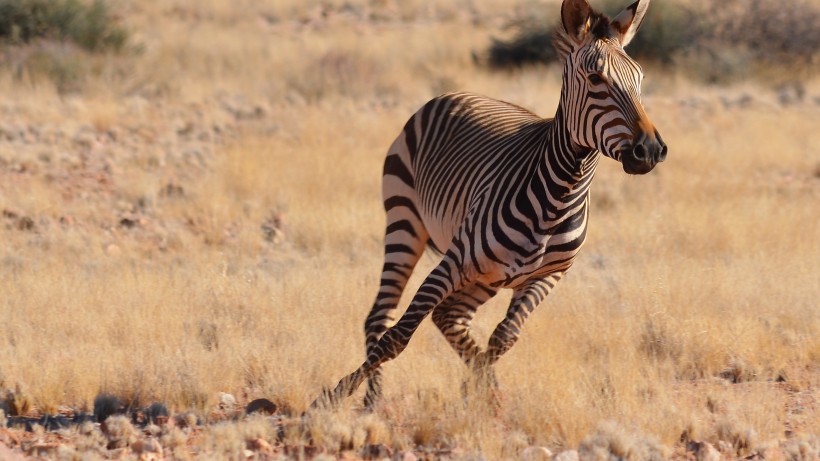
pixel 157 414
pixel 260 445
pixel 226 401
pixel 106 405
pixel 725 447
pixel 569 455
pixel 703 451
pixel 536 454
pixel 263 406
pixel 376 451
pixel 406 456
pixel 147 446
pixel 773 454
pixel 186 420
pixel 42 450
pixel 113 250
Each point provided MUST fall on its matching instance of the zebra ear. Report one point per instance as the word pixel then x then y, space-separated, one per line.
pixel 575 17
pixel 629 20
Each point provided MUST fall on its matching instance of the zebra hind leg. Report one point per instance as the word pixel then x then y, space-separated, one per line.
pixel 405 240
pixel 435 288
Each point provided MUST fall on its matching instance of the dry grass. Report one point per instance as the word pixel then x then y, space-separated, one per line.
pixel 205 217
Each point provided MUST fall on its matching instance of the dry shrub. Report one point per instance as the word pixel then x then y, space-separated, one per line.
pixel 611 442
pixel 65 65
pixel 767 29
pixel 659 341
pixel 338 72
pixel 17 402
pixel 344 431
pixel 119 431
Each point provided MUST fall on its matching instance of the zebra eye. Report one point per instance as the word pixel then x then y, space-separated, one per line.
pixel 595 79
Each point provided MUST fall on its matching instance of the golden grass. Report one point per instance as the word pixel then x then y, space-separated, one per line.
pixel 705 268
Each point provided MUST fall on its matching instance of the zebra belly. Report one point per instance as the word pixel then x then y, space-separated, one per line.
pixel 509 260
pixel 555 254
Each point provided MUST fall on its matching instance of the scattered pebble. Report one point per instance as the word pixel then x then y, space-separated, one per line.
pixel 263 406
pixel 536 454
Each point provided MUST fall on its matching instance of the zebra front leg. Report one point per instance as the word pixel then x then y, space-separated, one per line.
pixel 525 298
pixel 454 315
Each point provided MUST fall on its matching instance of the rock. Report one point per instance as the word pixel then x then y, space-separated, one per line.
pixel 260 445
pixel 145 446
pixel 725 447
pixel 773 454
pixel 8 454
pixel 106 405
pixel 119 431
pixel 226 401
pixel 703 451
pixel 376 451
pixel 186 420
pixel 157 414
pixel 42 450
pixel 569 455
pixel 263 406
pixel 112 249
pixel 536 454
pixel 405 456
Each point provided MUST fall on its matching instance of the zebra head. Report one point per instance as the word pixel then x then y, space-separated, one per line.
pixel 601 95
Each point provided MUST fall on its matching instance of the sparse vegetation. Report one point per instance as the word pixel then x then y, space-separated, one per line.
pixel 712 42
pixel 89 25
pixel 210 221
pixel 60 41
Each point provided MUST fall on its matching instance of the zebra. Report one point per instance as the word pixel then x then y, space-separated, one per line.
pixel 502 196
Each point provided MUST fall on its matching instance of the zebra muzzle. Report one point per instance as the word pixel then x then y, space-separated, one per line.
pixel 647 152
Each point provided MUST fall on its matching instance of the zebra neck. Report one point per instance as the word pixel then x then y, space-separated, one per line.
pixel 564 172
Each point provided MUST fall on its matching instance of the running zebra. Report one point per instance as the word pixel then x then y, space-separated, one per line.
pixel 503 195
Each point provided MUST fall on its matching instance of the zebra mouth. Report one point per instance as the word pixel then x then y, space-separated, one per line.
pixel 644 154
pixel 631 167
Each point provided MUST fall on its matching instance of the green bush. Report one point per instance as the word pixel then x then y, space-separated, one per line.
pixel 89 25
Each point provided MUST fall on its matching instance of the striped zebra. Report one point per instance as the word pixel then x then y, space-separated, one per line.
pixel 503 195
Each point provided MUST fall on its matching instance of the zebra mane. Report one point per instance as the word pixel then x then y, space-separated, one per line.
pixel 564 44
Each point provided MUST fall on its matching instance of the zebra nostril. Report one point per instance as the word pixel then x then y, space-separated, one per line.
pixel 639 152
pixel 662 155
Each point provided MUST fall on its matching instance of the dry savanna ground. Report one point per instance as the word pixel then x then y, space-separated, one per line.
pixel 202 216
